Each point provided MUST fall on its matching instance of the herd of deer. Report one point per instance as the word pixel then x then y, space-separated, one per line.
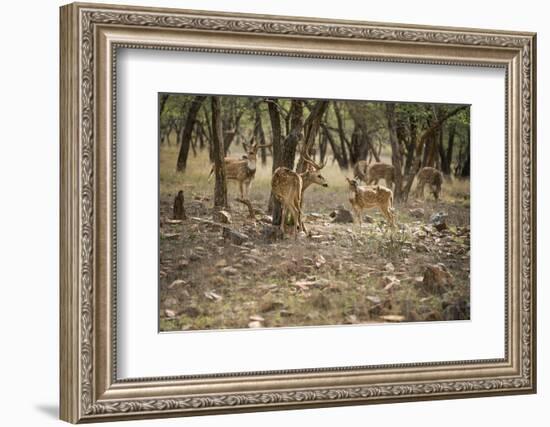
pixel 288 186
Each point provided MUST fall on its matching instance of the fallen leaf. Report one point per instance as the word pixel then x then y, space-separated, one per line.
pixel 173 221
pixel 212 296
pixel 176 283
pixel 392 318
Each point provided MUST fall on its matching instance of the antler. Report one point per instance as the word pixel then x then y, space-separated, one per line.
pixel 309 160
pixel 250 144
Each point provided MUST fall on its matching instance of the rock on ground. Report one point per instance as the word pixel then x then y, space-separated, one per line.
pixel 341 216
pixel 436 278
pixel 234 237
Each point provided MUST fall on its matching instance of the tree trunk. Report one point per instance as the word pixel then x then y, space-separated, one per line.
pixel 295 134
pixel 465 168
pixel 186 133
pixel 289 148
pixel 230 125
pixel 447 158
pixel 276 140
pixel 335 149
pixel 220 189
pixel 311 129
pixel 411 144
pixel 322 147
pixel 179 208
pixel 259 132
pixel 396 155
pixel 342 134
pixel 275 119
pixel 162 102
pixel 361 144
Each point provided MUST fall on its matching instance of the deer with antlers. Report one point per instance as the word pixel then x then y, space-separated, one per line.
pixel 288 188
pixel 362 198
pixel 242 169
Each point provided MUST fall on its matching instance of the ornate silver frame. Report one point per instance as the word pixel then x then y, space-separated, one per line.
pixel 90 35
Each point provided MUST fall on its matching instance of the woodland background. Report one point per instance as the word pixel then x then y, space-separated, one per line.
pixel 341 273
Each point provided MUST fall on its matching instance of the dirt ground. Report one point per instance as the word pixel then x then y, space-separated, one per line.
pixel 339 274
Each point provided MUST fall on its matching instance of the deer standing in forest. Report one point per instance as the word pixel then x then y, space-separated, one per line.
pixel 288 188
pixel 242 170
pixel 362 197
pixel 380 171
pixel 432 177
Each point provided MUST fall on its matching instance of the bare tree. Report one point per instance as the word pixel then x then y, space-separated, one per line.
pixel 187 132
pixel 344 142
pixel 273 109
pixel 396 154
pixel 163 97
pixel 259 135
pixel 220 189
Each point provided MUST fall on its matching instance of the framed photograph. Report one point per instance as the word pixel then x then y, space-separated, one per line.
pixel 266 212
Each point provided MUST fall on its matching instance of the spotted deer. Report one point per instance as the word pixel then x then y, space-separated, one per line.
pixel 432 177
pixel 242 169
pixel 379 171
pixel 288 188
pixel 363 197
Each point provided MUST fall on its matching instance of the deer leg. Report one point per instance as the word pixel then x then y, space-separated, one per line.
pixel 435 192
pixel 355 215
pixel 296 219
pixel 388 215
pixel 420 190
pixel 301 222
pixel 358 214
pixel 241 189
pixel 283 219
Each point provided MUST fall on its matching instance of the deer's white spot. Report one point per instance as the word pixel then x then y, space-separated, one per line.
pixel 251 165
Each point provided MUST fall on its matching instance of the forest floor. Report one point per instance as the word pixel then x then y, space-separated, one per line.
pixel 340 274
